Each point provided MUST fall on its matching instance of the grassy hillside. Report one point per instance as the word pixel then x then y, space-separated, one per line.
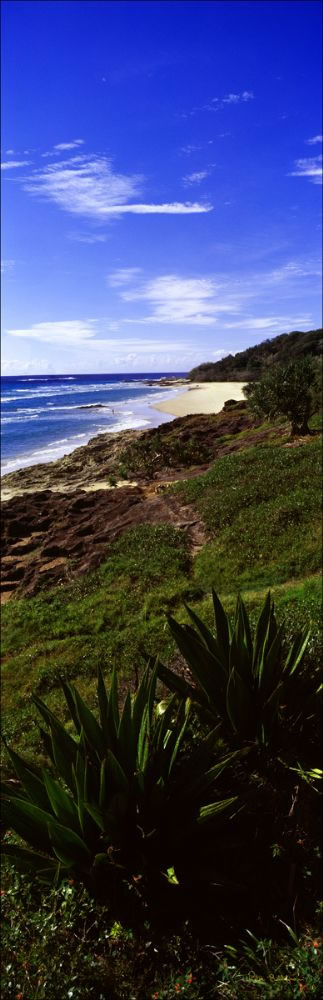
pixel 260 509
pixel 254 361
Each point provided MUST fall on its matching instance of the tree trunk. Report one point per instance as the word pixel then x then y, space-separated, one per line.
pixel 300 430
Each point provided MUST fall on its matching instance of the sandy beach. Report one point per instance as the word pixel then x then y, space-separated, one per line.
pixel 205 397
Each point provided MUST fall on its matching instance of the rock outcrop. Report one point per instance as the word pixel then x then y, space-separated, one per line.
pixel 59 519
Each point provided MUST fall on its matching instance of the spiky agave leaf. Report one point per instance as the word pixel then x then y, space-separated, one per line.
pixel 133 804
pixel 240 678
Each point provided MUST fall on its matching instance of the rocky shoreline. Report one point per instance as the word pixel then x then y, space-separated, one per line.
pixel 59 518
pixel 87 467
pixel 167 381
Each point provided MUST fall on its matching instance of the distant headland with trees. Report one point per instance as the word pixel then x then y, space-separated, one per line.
pixel 252 363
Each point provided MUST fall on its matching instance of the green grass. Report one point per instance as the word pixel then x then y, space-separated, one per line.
pixel 104 618
pixel 165 447
pixel 135 620
pixel 261 508
pixel 61 945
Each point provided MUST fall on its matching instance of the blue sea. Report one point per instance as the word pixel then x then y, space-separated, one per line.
pixel 47 416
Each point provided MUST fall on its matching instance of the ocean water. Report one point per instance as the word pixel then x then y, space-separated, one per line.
pixel 44 417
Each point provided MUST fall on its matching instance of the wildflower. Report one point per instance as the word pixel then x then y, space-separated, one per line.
pixel 155 996
pixel 302 987
pixel 3 892
pixel 71 881
pixel 19 996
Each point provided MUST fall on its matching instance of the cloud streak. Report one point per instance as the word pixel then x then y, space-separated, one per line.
pixel 273 323
pixel 7 265
pixel 69 145
pixel 14 164
pixel 167 208
pixel 246 95
pixel 89 238
pixel 196 177
pixel 89 186
pixel 310 167
pixel 81 334
pixel 122 276
pixel 173 299
pixel 67 332
pixel 62 147
pixel 219 103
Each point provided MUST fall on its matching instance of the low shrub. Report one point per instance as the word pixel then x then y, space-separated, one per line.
pixel 246 681
pixel 123 809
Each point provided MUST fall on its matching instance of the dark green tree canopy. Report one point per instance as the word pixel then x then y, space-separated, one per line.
pixel 251 364
pixel 285 390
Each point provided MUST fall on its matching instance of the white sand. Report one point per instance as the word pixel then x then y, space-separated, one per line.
pixel 206 397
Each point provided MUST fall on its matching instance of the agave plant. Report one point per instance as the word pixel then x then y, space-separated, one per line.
pixel 243 679
pixel 121 799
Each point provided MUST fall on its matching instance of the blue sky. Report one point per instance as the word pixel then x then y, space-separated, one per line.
pixel 161 178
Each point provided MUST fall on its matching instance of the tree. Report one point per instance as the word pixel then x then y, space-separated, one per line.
pixel 285 390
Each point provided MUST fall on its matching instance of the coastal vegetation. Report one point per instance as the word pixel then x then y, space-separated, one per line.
pixel 250 364
pixel 286 391
pixel 244 680
pixel 187 826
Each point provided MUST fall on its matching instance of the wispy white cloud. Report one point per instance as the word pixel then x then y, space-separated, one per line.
pixel 80 334
pixel 67 332
pixel 246 95
pixel 7 265
pixel 123 276
pixel 13 164
pixel 226 299
pixel 175 299
pixel 310 167
pixel 273 323
pixel 263 303
pixel 14 365
pixel 69 145
pixel 294 269
pixel 89 238
pixel 196 177
pixel 167 208
pixel 219 103
pixel 113 325
pixel 316 139
pixel 191 148
pixel 62 147
pixel 88 186
pixel 83 185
